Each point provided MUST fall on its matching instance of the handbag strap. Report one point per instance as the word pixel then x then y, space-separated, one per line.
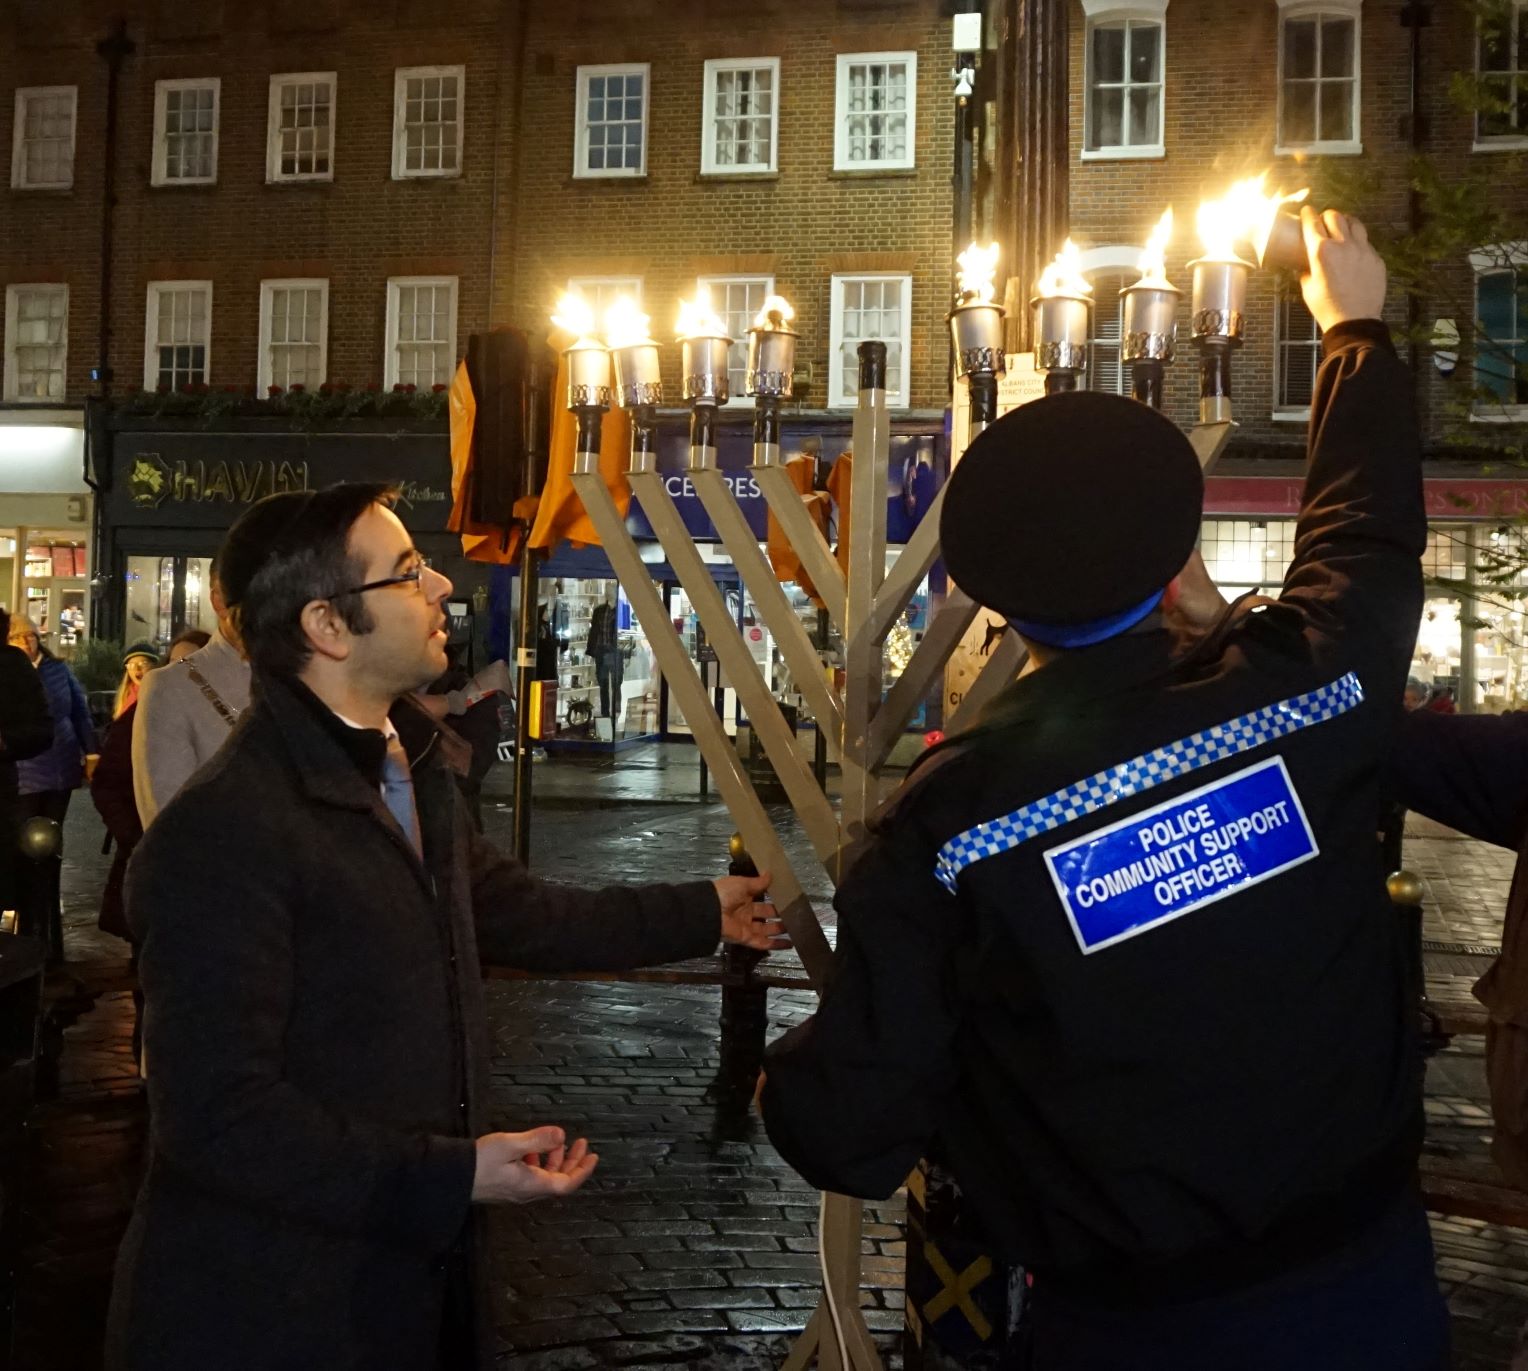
pixel 229 716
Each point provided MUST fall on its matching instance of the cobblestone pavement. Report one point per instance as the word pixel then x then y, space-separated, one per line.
pixel 694 1245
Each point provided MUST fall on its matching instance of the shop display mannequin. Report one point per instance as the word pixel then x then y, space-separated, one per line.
pixel 604 649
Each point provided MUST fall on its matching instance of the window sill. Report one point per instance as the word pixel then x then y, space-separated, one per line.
pixel 1156 151
pixel 426 175
pixel 1291 416
pixel 745 175
pixel 184 185
pixel 1513 143
pixel 870 173
pixel 313 180
pixel 64 189
pixel 1353 148
pixel 1500 414
pixel 609 177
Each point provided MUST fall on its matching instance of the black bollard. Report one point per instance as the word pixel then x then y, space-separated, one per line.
pixel 745 1009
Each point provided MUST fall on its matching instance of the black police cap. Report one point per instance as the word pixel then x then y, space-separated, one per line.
pixel 1072 508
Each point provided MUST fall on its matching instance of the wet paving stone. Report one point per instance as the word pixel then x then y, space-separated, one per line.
pixel 693 1246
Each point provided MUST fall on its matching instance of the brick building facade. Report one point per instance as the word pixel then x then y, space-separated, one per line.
pixel 1223 88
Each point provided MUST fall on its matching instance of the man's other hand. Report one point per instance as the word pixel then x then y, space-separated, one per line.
pixel 515 1168
pixel 744 919
pixel 1193 601
pixel 1347 277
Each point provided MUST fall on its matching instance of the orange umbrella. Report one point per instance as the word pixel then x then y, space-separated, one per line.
pixel 480 542
pixel 802 471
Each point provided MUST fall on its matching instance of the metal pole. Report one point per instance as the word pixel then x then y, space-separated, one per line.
pixel 537 419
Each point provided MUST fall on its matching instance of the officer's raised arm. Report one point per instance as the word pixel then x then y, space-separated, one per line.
pixel 1362 527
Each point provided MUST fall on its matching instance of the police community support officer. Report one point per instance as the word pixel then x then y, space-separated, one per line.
pixel 1121 957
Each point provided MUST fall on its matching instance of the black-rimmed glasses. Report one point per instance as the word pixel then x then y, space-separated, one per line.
pixel 413 576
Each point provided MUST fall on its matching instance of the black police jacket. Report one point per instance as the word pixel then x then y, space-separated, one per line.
pixel 1121 957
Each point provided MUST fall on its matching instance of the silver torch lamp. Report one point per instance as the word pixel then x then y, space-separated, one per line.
pixel 588 362
pixel 704 344
pixel 771 365
pixel 1063 317
pixel 1149 319
pixel 638 383
pixel 976 325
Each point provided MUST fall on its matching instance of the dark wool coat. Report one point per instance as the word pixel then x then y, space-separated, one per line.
pixel 111 790
pixel 26 729
pixel 316 1049
pixel 1470 771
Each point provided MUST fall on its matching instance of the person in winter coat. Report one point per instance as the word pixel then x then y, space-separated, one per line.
pixel 315 1020
pixel 111 791
pixel 25 730
pixel 1119 959
pixel 46 782
pixel 137 662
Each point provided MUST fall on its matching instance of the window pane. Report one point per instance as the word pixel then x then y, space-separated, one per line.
pixel 1299 125
pixel 1145 46
pixel 1336 111
pixel 1494 303
pixel 1145 109
pixel 1109 52
pixel 1299 48
pixel 1337 47
pixel 1108 124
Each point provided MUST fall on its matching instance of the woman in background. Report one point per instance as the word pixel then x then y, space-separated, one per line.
pixel 137 662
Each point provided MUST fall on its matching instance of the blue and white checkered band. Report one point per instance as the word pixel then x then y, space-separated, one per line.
pixel 1136 777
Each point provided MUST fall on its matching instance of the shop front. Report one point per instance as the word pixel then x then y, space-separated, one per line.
pixel 170 493
pixel 1471 652
pixel 45 523
pixel 606 701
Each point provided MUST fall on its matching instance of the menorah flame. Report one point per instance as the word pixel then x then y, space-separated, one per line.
pixel 575 315
pixel 1064 275
pixel 978 268
pixel 625 324
pixel 697 319
pixel 774 314
pixel 1244 214
pixel 1153 261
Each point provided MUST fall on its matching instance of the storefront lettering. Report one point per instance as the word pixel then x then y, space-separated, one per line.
pixel 411 493
pixel 743 487
pixel 152 481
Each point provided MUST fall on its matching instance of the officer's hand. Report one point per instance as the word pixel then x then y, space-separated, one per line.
pixel 515 1168
pixel 1347 277
pixel 744 919
pixel 1193 601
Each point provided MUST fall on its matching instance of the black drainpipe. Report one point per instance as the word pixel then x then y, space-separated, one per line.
pixel 106 611
pixel 1416 15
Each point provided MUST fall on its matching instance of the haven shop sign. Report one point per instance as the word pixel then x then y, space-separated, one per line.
pixel 195 479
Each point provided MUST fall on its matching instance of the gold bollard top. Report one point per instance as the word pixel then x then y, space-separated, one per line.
pixel 1404 888
pixel 735 848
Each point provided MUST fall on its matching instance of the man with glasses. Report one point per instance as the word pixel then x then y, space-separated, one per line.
pixel 315 1016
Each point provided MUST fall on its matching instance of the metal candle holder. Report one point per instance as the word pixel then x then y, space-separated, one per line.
pixel 1219 319
pixel 977 328
pixel 1062 326
pixel 703 359
pixel 771 364
pixel 588 391
pixel 639 389
pixel 1284 243
pixel 1149 336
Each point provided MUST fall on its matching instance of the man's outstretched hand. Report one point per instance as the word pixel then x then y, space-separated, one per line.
pixel 744 919
pixel 1347 277
pixel 515 1168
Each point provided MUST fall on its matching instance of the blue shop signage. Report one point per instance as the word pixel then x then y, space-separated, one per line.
pixel 1158 865
pixel 919 465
